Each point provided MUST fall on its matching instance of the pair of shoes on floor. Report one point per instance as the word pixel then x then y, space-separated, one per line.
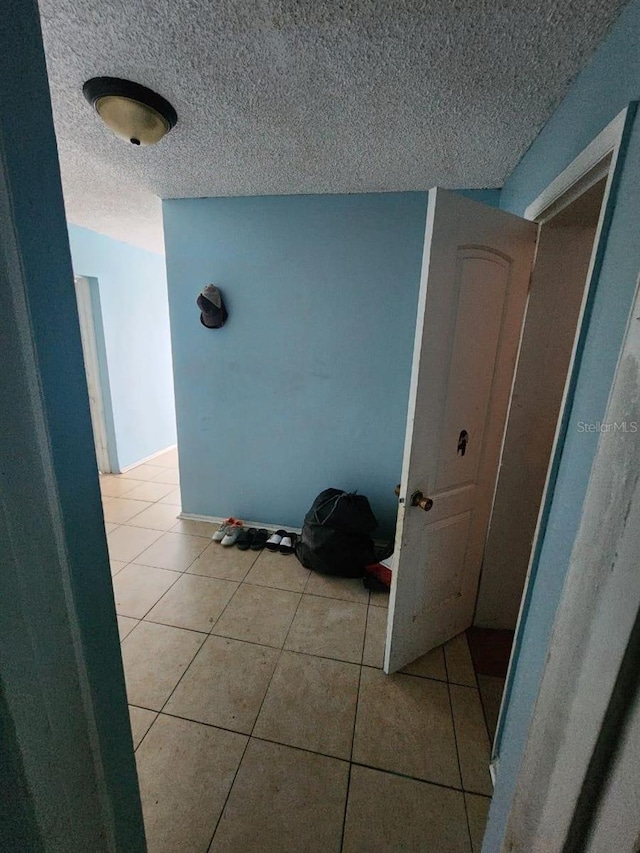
pixel 282 541
pixel 228 532
pixel 252 538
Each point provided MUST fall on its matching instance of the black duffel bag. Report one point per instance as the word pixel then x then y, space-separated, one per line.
pixel 336 535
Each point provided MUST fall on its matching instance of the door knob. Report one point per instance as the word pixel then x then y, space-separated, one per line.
pixel 419 500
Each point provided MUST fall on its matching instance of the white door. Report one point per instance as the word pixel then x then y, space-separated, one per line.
pixel 92 370
pixel 473 293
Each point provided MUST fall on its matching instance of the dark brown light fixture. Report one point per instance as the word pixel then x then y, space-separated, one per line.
pixel 131 111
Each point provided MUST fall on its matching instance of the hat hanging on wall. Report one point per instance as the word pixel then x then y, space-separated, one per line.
pixel 213 312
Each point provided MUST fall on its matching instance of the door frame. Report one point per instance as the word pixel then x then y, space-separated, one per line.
pixel 88 335
pixel 63 746
pixel 582 173
pixel 600 157
pixel 64 704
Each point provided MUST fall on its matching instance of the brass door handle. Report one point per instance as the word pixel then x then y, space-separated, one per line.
pixel 397 490
pixel 419 500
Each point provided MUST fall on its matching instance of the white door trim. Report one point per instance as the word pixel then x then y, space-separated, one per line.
pixel 604 148
pixel 92 369
pixel 582 173
pixel 614 136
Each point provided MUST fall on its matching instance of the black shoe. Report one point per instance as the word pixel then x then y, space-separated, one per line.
pixel 245 540
pixel 259 539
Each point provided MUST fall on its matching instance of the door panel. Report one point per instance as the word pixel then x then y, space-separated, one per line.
pixel 481 289
pixel 476 268
pixel 447 548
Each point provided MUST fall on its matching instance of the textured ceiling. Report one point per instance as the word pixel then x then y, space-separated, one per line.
pixel 279 96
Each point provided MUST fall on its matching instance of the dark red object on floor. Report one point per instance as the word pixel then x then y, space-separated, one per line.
pixel 381 573
pixel 490 650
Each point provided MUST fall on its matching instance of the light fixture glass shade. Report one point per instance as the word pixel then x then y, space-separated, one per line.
pixel 131 120
pixel 130 110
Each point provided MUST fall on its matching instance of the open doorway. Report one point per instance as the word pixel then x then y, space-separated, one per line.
pixel 95 369
pixel 522 386
pixel 560 275
pixel 554 314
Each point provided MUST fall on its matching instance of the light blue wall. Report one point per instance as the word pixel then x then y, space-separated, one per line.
pixel 490 197
pixel 307 384
pixel 605 87
pixel 132 288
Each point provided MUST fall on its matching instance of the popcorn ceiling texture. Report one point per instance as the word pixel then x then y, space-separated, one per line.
pixel 278 96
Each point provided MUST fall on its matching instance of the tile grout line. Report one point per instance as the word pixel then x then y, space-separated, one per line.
pixel 282 589
pixel 137 484
pixel 485 714
pixel 226 799
pixel 353 730
pixel 157 713
pixel 131 517
pixel 249 738
pixel 355 716
pixel 473 665
pixel 266 646
pixel 396 773
pixel 222 612
pixel 128 563
pixel 143 618
pixel 346 805
pixel 207 634
pixel 286 589
pixel 455 740
pixel 304 591
pixel 284 642
pixel 179 574
pixel 302 748
pixel 162 533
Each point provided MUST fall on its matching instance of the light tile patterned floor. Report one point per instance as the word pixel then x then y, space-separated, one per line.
pixel 260 714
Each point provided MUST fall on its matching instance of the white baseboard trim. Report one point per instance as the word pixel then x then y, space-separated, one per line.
pixel 147 459
pixel 214 519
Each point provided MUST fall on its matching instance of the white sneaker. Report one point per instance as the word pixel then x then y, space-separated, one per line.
pixel 224 528
pixel 233 531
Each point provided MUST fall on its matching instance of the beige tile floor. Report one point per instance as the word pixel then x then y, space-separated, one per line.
pixel 261 718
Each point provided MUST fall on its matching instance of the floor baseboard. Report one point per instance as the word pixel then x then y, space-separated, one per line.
pixel 146 459
pixel 214 519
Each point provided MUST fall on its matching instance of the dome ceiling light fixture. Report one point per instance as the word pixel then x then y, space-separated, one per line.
pixel 131 111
